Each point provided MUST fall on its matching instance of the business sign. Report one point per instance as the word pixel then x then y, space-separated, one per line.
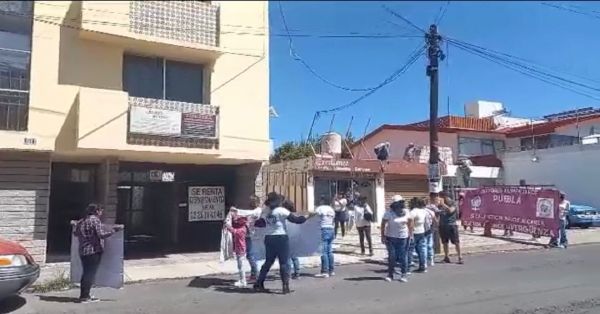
pixel 206 203
pixel 346 165
pixel 199 124
pixel 143 120
pixel 530 210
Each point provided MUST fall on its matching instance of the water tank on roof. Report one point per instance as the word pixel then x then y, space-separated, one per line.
pixel 331 144
pixel 483 109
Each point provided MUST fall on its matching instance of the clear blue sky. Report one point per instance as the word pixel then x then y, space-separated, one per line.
pixel 551 37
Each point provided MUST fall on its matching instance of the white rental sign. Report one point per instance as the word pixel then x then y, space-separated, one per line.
pixel 206 203
pixel 154 121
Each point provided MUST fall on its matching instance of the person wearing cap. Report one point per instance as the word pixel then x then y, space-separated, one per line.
pixel 396 230
pixel 363 216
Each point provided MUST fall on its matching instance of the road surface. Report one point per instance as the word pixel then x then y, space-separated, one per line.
pixel 534 282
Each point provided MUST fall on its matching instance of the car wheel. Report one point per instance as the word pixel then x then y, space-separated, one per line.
pixel 585 226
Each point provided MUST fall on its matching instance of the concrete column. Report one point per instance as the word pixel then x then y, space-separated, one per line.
pixel 107 179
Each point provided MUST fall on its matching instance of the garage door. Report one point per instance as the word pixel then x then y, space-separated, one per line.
pixel 407 187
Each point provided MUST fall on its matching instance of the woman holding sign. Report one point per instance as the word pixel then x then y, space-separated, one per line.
pixel 274 218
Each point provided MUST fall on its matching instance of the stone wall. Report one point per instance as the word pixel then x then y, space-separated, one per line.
pixel 24 199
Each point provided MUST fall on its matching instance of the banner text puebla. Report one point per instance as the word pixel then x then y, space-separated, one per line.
pixel 521 209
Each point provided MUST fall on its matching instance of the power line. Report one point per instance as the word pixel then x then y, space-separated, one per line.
pixel 407 21
pixel 576 11
pixel 412 59
pixel 295 56
pixel 523 70
pixel 441 13
pixel 527 67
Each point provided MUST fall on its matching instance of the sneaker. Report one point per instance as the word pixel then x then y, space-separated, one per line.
pixel 432 263
pixel 446 260
pixel 88 300
pixel 461 261
pixel 404 278
pixel 421 270
pixel 331 274
pixel 240 284
pixel 322 275
pixel 388 279
pixel 260 287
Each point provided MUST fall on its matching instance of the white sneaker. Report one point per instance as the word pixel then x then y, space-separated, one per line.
pixel 331 274
pixel 240 284
pixel 431 263
pixel 388 279
pixel 403 278
pixel 322 275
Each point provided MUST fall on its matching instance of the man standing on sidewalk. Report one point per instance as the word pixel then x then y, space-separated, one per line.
pixel 448 226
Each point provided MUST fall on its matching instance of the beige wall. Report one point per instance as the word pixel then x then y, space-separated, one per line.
pixel 78 108
pixel 399 140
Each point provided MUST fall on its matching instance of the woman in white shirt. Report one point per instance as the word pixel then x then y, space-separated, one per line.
pixel 421 218
pixel 273 219
pixel 396 230
pixel 363 216
pixel 327 217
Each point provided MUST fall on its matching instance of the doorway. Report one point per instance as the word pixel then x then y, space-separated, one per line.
pixel 73 187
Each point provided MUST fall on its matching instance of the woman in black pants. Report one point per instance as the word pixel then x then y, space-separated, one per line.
pixel 273 219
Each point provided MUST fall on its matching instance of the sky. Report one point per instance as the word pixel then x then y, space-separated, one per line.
pixel 565 41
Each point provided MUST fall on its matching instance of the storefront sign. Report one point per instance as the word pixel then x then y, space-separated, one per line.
pixel 206 203
pixel 144 120
pixel 156 175
pixel 199 125
pixel 530 210
pixel 344 165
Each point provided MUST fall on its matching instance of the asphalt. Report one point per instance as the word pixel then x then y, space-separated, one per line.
pixel 534 282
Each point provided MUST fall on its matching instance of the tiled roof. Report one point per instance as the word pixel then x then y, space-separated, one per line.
pixel 545 127
pixel 461 123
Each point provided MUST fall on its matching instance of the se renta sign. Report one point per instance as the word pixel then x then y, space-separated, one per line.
pixel 531 210
pixel 206 203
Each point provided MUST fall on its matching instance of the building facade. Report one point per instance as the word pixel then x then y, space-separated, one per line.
pixel 157 110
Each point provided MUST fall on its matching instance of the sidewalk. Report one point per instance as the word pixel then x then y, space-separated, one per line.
pixel 347 251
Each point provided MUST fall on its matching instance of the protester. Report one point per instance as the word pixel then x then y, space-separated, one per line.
pixel 238 228
pixel 91 234
pixel 273 219
pixel 431 225
pixel 448 228
pixel 252 215
pixel 341 215
pixel 396 229
pixel 294 261
pixel 419 215
pixel 327 215
pixel 363 218
pixel 563 207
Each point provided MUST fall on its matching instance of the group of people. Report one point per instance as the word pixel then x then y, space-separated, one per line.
pixel 408 229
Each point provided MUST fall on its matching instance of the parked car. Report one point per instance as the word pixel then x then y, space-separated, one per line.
pixel 583 216
pixel 18 271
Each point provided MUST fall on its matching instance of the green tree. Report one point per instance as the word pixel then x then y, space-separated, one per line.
pixel 301 149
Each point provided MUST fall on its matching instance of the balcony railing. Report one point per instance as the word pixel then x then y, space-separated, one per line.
pixel 159 122
pixel 14 110
pixel 191 22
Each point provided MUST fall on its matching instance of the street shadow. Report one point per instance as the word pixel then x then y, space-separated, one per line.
pixel 508 239
pixel 55 299
pixel 359 279
pixel 11 304
pixel 375 262
pixel 207 282
pixel 232 289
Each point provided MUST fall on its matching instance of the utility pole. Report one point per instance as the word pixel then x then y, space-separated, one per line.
pixel 434 53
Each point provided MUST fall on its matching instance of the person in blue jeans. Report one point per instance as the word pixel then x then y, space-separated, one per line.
pixel 294 267
pixel 419 215
pixel 563 207
pixel 326 215
pixel 396 229
pixel 431 223
pixel 252 215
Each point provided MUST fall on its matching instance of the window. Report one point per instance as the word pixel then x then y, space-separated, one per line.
pixel 15 54
pixel 479 147
pixel 157 78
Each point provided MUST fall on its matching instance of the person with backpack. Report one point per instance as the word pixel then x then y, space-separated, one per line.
pixel 363 217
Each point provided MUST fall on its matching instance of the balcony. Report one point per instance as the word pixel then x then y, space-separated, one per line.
pixel 145 25
pixel 111 120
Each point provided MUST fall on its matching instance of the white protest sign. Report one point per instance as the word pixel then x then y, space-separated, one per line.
pixel 206 203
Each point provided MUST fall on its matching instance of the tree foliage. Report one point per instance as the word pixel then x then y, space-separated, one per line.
pixel 301 149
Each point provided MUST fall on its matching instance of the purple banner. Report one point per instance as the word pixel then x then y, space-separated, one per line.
pixel 530 210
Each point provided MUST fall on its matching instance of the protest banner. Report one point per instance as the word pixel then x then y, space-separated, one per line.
pixel 531 210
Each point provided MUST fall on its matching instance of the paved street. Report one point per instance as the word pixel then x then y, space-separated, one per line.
pixel 533 282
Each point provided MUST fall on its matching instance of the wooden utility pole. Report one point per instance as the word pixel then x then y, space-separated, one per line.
pixel 434 53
